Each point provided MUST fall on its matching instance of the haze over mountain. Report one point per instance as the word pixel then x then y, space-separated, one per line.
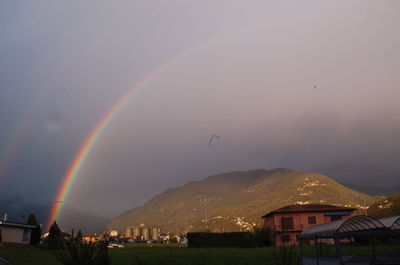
pixel 235 201
pixel 374 190
pixel 18 210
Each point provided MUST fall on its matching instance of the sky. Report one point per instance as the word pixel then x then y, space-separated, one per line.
pixel 308 85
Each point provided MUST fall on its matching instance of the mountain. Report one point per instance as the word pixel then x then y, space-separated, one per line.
pixel 235 201
pixel 389 206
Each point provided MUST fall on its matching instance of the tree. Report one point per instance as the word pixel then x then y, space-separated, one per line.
pixel 54 240
pixel 79 235
pixel 54 230
pixel 36 232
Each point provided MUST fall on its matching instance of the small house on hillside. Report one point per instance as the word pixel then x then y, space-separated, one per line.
pixel 15 232
pixel 288 222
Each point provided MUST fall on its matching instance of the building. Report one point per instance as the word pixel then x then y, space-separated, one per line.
pixel 92 238
pixel 143 233
pixel 114 233
pixel 288 222
pixel 15 232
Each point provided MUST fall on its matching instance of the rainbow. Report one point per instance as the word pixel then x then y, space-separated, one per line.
pixel 92 138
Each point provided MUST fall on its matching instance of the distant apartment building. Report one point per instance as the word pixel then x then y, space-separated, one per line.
pixel 288 222
pixel 143 233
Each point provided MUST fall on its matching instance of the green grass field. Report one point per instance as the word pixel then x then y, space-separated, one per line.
pixel 174 254
pixel 141 254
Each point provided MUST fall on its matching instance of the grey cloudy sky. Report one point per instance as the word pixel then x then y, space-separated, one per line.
pixel 307 85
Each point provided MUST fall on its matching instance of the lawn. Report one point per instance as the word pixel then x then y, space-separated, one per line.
pixel 18 254
pixel 178 255
pixel 141 254
pixel 174 254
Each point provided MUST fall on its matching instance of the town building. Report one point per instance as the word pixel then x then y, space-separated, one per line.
pixel 92 238
pixel 143 233
pixel 114 233
pixel 287 223
pixel 15 232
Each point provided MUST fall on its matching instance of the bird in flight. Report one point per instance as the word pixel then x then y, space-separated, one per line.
pixel 211 139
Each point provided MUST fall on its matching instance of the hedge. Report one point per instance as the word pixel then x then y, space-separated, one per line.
pixel 233 239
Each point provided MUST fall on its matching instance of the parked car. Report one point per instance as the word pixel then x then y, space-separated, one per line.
pixel 115 245
pixel 130 240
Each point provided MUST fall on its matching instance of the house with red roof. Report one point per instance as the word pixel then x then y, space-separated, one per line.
pixel 288 222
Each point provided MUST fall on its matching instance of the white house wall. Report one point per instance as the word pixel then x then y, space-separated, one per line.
pixel 13 234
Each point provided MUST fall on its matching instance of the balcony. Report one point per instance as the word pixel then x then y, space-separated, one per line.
pixel 286 228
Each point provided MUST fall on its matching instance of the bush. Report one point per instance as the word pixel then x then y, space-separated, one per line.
pixel 78 253
pixel 260 237
pixel 234 239
pixel 205 239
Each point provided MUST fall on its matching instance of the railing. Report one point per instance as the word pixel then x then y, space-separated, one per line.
pixel 286 228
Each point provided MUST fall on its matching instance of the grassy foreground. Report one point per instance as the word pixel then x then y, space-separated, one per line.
pixel 26 254
pixel 138 254
pixel 174 254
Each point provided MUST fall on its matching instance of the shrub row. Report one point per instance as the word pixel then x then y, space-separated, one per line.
pixel 233 239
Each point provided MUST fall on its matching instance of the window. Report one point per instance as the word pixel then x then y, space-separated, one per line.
pixel 286 238
pixel 312 220
pixel 335 217
pixel 287 223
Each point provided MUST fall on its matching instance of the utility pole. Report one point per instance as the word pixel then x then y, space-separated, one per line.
pixel 186 225
pixel 206 213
